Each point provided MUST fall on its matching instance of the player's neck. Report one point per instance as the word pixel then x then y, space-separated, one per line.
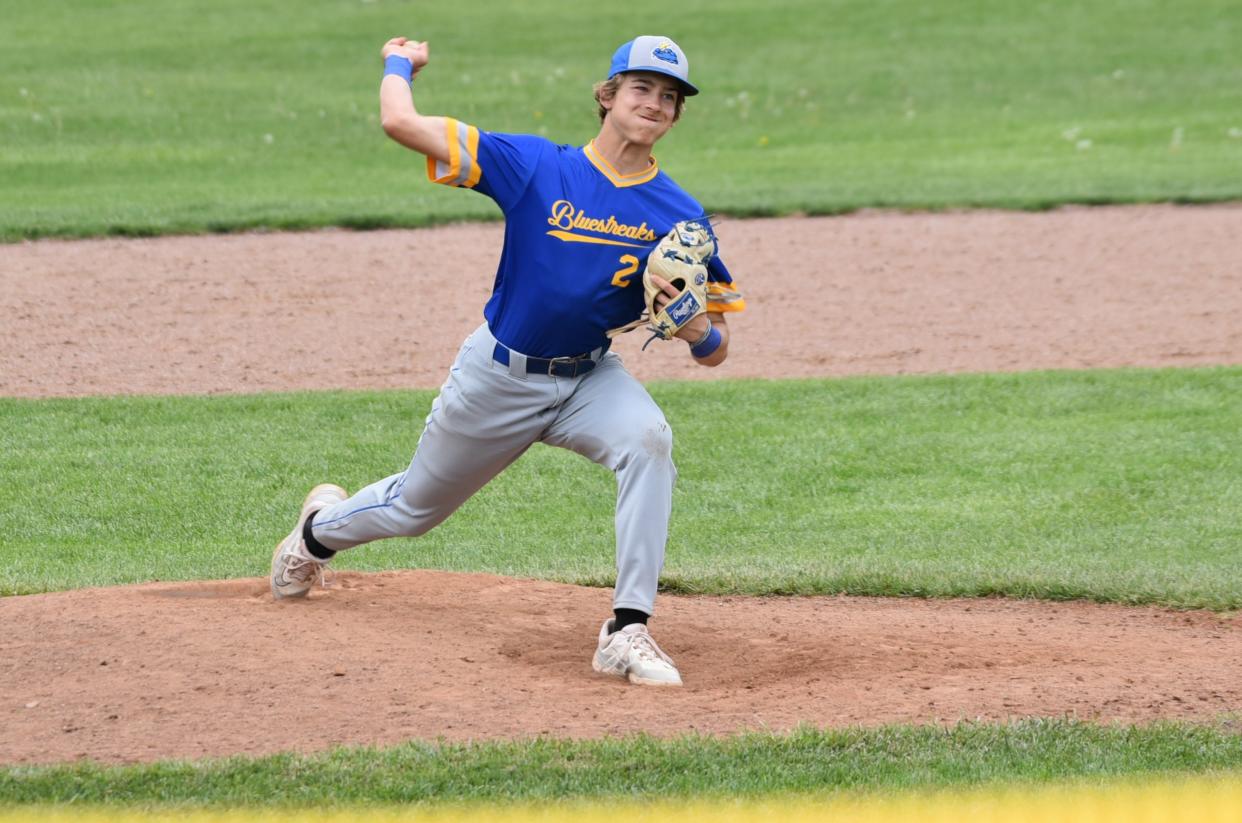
pixel 625 156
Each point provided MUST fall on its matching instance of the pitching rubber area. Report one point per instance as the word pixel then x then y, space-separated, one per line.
pixel 1204 800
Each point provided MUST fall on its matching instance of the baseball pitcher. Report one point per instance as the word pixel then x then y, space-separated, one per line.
pixel 598 241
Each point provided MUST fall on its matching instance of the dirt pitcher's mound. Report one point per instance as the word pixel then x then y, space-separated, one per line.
pixel 213 669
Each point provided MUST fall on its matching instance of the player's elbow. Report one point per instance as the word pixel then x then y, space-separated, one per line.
pixel 395 125
pixel 414 132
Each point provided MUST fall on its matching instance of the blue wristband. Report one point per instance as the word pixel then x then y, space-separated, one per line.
pixel 709 345
pixel 400 66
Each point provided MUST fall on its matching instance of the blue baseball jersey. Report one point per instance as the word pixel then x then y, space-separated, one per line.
pixel 577 235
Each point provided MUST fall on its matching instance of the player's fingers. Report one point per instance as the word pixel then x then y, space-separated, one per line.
pixel 392 46
pixel 664 285
pixel 663 298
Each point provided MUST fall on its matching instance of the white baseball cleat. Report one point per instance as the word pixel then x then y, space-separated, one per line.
pixel 294 569
pixel 633 653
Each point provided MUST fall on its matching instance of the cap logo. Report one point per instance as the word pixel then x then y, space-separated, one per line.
pixel 665 52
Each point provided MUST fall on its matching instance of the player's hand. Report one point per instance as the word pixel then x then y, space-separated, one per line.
pixel 415 51
pixel 693 330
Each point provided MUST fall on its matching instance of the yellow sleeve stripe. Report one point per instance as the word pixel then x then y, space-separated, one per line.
pixel 454 150
pixel 438 172
pixel 472 149
pixel 463 168
pixel 737 305
pixel 724 297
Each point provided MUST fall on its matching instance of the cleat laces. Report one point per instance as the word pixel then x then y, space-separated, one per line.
pixel 301 570
pixel 644 646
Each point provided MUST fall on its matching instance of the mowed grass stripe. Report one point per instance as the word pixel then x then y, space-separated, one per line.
pixel 270 118
pixel 1110 485
pixel 752 765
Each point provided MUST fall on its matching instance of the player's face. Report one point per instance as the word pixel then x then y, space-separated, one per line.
pixel 644 106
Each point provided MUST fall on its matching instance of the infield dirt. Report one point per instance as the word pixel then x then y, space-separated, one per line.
pixel 215 668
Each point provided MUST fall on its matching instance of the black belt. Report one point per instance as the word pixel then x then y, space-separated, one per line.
pixel 555 366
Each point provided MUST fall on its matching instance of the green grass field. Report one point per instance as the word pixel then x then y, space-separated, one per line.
pixel 148 118
pixel 898 758
pixel 1113 485
pixel 226 115
pixel 1110 485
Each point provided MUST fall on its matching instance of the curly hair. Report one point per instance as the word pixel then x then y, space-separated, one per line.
pixel 607 89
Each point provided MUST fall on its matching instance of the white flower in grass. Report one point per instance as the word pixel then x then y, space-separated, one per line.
pixel 269 139
pixel 1236 134
pixel 1175 142
pixel 1071 133
pixel 1083 145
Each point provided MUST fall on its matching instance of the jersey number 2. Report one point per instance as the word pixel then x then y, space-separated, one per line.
pixel 629 265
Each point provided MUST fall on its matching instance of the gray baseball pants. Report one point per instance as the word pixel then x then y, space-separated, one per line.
pixel 486 415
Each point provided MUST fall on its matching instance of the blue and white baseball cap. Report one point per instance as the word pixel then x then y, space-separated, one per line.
pixel 652 52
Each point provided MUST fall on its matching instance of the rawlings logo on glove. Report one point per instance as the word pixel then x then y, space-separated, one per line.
pixel 681 259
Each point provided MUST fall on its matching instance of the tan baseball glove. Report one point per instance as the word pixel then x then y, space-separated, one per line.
pixel 681 258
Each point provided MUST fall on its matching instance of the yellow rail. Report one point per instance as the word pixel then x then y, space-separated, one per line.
pixel 1200 800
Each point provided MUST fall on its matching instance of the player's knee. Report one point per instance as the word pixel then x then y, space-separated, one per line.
pixel 417 528
pixel 651 440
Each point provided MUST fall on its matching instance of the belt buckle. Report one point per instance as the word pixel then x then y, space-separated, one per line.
pixel 576 361
pixel 552 361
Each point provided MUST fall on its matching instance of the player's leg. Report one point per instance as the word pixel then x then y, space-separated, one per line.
pixel 481 422
pixel 611 419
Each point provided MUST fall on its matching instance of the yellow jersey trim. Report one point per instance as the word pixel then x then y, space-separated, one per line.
pixel 461 138
pixel 454 166
pixel 615 177
pixel 472 148
pixel 454 147
pixel 431 172
pixel 724 297
pixel 725 308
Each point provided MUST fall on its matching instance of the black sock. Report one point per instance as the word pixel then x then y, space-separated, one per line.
pixel 625 617
pixel 312 545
